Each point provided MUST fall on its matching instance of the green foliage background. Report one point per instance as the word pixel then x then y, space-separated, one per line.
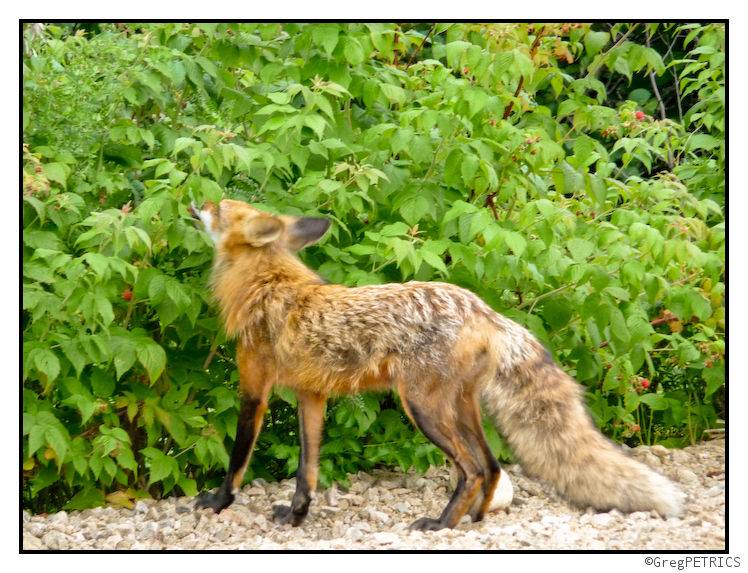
pixel 571 175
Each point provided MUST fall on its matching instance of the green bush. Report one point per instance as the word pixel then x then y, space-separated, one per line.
pixel 571 175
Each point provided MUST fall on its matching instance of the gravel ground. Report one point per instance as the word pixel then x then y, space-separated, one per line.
pixel 374 513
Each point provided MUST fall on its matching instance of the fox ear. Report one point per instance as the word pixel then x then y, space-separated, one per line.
pixel 304 231
pixel 262 230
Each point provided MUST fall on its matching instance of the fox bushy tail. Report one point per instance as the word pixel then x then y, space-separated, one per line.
pixel 539 410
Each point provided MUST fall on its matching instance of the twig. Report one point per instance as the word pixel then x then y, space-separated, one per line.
pixel 593 71
pixel 654 84
pixel 663 320
pixel 210 357
pixel 489 202
pixel 128 316
pixel 544 295
pixel 509 106
pixel 418 49
pixel 533 49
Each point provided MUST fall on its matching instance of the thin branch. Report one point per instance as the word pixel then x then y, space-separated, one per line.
pixel 489 203
pixel 663 320
pixel 508 109
pixel 210 357
pixel 533 49
pixel 418 49
pixel 593 71
pixel 654 85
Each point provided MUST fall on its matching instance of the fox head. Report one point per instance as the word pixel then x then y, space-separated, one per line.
pixel 235 224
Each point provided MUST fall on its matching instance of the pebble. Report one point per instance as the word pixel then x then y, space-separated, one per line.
pixel 376 511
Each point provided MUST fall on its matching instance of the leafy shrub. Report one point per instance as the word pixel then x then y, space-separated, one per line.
pixel 490 156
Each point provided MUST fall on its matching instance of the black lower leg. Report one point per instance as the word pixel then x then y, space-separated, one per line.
pixel 246 434
pixel 311 415
pixel 429 523
pixel 297 511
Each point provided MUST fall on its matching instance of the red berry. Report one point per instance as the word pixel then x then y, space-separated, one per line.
pixel 127 295
pixel 639 115
pixel 635 428
pixel 709 364
pixel 645 383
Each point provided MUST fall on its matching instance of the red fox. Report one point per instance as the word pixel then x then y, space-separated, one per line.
pixel 439 344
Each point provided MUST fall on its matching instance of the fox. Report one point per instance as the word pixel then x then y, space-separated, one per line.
pixel 440 345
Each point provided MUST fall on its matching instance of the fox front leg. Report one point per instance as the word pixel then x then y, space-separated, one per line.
pixel 248 427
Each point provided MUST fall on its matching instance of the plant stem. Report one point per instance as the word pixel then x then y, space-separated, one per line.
pixel 544 295
pixel 593 71
pixel 421 46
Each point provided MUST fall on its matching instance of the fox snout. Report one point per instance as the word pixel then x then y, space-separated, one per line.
pixel 194 210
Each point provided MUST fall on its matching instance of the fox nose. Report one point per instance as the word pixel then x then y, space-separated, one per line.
pixel 194 210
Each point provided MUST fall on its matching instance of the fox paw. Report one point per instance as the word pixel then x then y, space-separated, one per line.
pixel 283 514
pixel 427 524
pixel 214 501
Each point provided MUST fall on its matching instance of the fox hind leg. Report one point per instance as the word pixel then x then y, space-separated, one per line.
pixel 442 429
pixel 472 428
pixel 311 413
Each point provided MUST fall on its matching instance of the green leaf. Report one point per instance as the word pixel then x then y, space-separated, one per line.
pixel 468 168
pixel 157 288
pixel 503 62
pixel 181 144
pixel 654 401
pixel 353 52
pixel 580 249
pixel 700 306
pixel 455 51
pixel 616 292
pixel 557 311
pixel 633 272
pixel 99 264
pixel 583 147
pixel 161 468
pixel 36 438
pixel 152 357
pixel 327 36
pixel 414 208
pixel 516 242
pixel 477 100
pixel 72 350
pixel 433 260
pixel 46 362
pixel 714 378
pixel 123 360
pixel 400 248
pixel 102 383
pixel 57 172
pixel 317 123
pixel 703 141
pixel 87 498
pixel 619 329
pixel 453 167
pixel 599 190
pixel 37 205
pixel 393 93
pixel 594 41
